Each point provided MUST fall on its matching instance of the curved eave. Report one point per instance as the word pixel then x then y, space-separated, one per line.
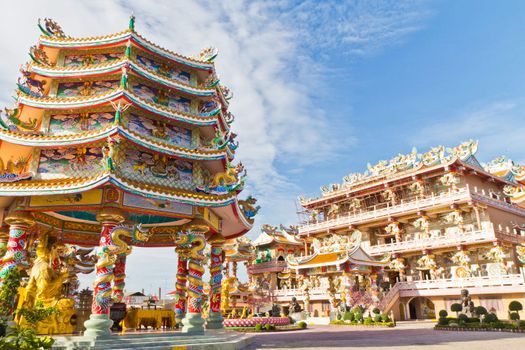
pixel 101 99
pixel 115 67
pixel 122 37
pixel 79 139
pixel 69 186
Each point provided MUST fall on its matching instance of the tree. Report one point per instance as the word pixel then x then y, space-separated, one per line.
pixel 8 291
pixel 481 311
pixel 456 307
pixel 515 306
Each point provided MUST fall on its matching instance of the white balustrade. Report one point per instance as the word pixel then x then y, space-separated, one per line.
pixel 418 204
pixel 446 240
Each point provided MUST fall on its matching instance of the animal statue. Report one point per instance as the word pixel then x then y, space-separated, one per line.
pixel 449 180
pixel 229 177
pixel 51 28
pixel 455 217
pixel 355 204
pixel 496 254
pixel 465 149
pixel 29 82
pixel 436 155
pixel 38 55
pixel 423 225
pixel 140 167
pixel 248 207
pixel 333 211
pixel 208 54
pixel 462 258
pixel 390 195
pixel 14 117
pixel 45 287
pixel 394 229
pixel 520 253
pixel 417 188
pixel 427 262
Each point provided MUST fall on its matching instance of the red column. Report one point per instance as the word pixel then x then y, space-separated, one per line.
pixel 104 272
pixel 19 223
pixel 180 286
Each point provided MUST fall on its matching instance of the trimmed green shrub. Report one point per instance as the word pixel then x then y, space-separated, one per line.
pixel 514 316
pixel 480 310
pixel 463 318
pixel 339 316
pixel 268 327
pixel 515 306
pixel 491 318
pixel 368 321
pixel 358 315
pixel 302 324
pixel 443 321
pixel 377 318
pixel 456 307
pixel 337 322
pixel 443 313
pixel 348 316
pixel 376 311
pixel 474 320
pixel 453 324
pixel 258 327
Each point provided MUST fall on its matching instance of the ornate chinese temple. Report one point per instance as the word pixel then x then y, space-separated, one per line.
pixel 115 142
pixel 429 224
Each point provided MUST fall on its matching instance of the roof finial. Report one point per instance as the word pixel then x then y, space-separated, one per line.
pixel 131 22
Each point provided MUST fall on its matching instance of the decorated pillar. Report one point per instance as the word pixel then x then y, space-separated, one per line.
pixel 119 280
pixel 4 237
pixel 195 240
pixel 180 285
pixel 215 319
pixel 15 256
pixel 99 323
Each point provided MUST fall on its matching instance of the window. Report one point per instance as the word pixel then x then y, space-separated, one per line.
pixel 491 304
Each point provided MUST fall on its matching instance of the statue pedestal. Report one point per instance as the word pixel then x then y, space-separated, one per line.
pixel 98 326
pixel 193 323
pixel 297 316
pixel 214 321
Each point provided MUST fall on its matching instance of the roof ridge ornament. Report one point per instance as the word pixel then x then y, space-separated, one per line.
pixel 51 28
pixel 131 25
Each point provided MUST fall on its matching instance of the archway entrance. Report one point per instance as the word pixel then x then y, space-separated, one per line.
pixel 421 308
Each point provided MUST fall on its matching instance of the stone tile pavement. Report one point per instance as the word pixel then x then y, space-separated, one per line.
pixel 407 335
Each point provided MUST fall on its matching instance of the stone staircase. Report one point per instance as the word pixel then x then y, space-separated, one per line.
pixel 156 341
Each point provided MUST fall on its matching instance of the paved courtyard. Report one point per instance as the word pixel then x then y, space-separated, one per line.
pixel 406 336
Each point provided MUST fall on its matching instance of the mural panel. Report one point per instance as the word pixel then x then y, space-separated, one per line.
pixel 66 124
pixel 157 205
pixel 86 88
pixel 84 60
pixel 171 133
pixel 171 72
pixel 92 197
pixel 155 168
pixel 161 97
pixel 70 162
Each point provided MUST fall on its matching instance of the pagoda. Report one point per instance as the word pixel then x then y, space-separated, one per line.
pixel 114 142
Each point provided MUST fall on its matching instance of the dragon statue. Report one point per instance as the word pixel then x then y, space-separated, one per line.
pixel 14 117
pixel 464 150
pixel 417 188
pixel 225 182
pixel 228 94
pixel 398 264
pixel 107 256
pixel 450 180
pixel 195 243
pixel 435 156
pixel 394 229
pixel 455 217
pixel 390 196
pixel 208 54
pixel 248 207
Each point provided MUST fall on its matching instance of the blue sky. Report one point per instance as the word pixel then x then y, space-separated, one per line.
pixel 321 88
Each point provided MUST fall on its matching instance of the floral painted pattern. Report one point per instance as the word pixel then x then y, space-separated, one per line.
pixel 67 124
pixel 84 60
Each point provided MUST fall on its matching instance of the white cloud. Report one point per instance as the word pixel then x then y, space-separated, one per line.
pixel 269 56
pixel 497 125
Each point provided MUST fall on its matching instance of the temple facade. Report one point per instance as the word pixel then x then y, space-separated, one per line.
pixel 428 224
pixel 113 142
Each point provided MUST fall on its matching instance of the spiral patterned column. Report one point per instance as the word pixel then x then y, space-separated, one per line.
pixel 215 320
pixel 180 286
pixel 193 321
pixel 99 323
pixel 119 279
pixel 15 255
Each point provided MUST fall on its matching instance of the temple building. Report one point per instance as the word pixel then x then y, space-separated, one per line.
pixel 114 141
pixel 442 220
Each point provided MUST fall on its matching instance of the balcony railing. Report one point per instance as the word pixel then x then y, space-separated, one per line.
pixel 446 240
pixel 270 266
pixel 300 293
pixel 415 205
pixel 466 193
pixel 513 280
